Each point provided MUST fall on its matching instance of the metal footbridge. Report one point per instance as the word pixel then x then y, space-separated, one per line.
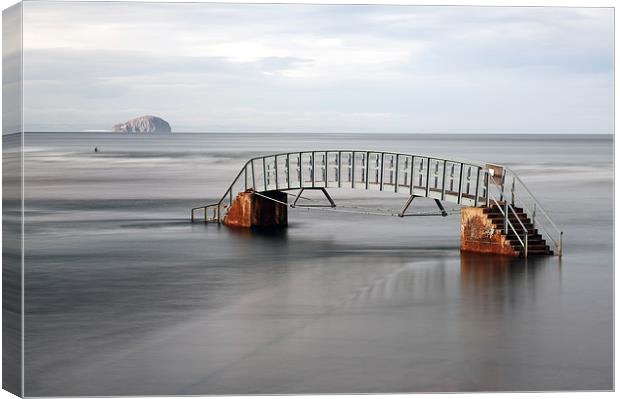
pixel 460 182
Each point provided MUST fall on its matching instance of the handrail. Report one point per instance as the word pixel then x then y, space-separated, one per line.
pixel 509 224
pixel 538 207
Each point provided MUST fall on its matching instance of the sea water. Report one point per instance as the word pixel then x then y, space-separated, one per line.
pixel 125 296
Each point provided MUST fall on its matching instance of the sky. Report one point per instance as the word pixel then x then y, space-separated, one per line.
pixel 319 68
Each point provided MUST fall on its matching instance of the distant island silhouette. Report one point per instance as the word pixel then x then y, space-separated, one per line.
pixel 143 124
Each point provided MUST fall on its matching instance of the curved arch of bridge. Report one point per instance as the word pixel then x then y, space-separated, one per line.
pixel 457 181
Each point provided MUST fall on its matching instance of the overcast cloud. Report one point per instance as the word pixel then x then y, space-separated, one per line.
pixel 303 68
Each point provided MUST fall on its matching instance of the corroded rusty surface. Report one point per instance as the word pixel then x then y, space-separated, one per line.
pixel 479 234
pixel 240 212
pixel 249 210
pixel 267 213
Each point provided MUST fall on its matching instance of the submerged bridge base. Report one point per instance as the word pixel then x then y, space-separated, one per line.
pixel 269 209
pixel 483 230
pixel 480 234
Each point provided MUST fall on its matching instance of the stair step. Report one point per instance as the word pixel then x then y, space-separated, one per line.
pixel 523 220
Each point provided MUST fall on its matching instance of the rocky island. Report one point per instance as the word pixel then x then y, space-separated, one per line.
pixel 143 124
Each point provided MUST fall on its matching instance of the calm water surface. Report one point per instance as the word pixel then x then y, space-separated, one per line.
pixel 125 296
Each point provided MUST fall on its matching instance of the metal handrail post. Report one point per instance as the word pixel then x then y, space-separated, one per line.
pixel 526 243
pixel 506 217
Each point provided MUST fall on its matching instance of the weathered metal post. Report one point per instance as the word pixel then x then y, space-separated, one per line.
pixel 506 217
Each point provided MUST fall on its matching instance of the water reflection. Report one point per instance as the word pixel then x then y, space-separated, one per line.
pixel 408 285
pixel 484 275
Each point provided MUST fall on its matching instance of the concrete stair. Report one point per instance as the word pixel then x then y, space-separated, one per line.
pixel 536 243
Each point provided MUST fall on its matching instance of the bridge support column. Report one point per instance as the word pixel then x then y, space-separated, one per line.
pixel 480 234
pixel 249 209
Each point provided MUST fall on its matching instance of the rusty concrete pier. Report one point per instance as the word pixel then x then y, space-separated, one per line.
pixel 499 214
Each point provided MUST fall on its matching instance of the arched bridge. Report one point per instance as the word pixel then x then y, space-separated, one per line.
pixel 499 193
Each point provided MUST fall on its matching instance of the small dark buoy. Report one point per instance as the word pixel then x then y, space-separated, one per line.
pixel 96 149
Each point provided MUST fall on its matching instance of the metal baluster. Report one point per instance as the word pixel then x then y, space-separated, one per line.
pixel 264 174
pixel 460 195
pixel 428 176
pixel 420 172
pixel 405 173
pixel 412 175
pixel 352 169
pixel 443 182
pixel 253 176
pixel 488 188
pixel 275 161
pixel 288 170
pixel 324 173
pixel 506 217
pixel 381 183
pixel 468 179
pixel 367 167
pixel 339 168
pixel 477 187
pixel 396 173
pixel 300 171
pixel 313 168
pixel 503 180
pixel 452 178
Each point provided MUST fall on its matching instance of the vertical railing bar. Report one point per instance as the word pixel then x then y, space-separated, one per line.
pixel 264 174
pixel 412 178
pixel 460 197
pixel 313 168
pixel 288 170
pixel 506 217
pixel 396 173
pixel 275 161
pixel 428 176
pixel 339 168
pixel 301 171
pixel 245 177
pixel 526 243
pixel 443 181
pixel 325 163
pixel 367 166
pixel 353 169
pixel 488 188
pixel 381 182
pixel 477 187
pixel 253 177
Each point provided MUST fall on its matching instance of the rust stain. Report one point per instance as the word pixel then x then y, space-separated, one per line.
pixel 479 234
pixel 240 212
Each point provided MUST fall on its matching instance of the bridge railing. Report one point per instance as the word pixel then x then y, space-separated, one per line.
pixel 461 182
